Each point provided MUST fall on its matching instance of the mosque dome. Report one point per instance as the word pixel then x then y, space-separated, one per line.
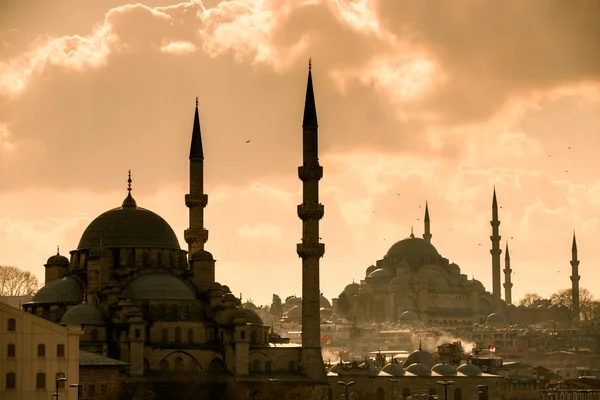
pixel 373 370
pixel 419 357
pixel 469 370
pixel 226 289
pixel 412 246
pixel 249 305
pixel 453 269
pixel 83 314
pixel 494 319
pixel 57 260
pixel 419 369
pixel 292 302
pixel 408 316
pixel 158 287
pixel 323 302
pixel 381 273
pixel 370 269
pixel 65 290
pixel 129 226
pixel 99 251
pixel 438 282
pixel 202 255
pixel 295 312
pixel 394 369
pixel 521 307
pixel 252 317
pixel 444 369
pixel 352 288
pixel 399 281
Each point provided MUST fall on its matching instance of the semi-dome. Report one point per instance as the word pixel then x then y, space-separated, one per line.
pixel 252 317
pixel 65 290
pixel 57 260
pixel 99 252
pixel 129 226
pixel 352 288
pixel 399 281
pixel 494 319
pixel 381 273
pixel 444 369
pixel 412 246
pixel 394 369
pixel 83 314
pixel 323 302
pixel 202 255
pixel 370 269
pixel 158 287
pixel 295 312
pixel 419 369
pixel 469 370
pixel 419 357
pixel 292 301
pixel 408 316
pixel 373 370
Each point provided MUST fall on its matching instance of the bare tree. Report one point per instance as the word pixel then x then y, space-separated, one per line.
pixel 16 282
pixel 530 299
pixel 564 297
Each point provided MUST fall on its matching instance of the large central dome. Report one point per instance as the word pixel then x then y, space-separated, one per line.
pixel 129 226
pixel 412 246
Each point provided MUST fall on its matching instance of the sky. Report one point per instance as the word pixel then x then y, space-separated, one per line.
pixel 417 101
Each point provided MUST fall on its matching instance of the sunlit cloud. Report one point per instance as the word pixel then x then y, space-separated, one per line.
pixel 260 230
pixel 178 48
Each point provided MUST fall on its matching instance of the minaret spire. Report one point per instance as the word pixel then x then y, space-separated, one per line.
pixel 495 252
pixel 507 276
pixel 196 236
pixel 311 250
pixel 575 280
pixel 427 235
pixel 129 201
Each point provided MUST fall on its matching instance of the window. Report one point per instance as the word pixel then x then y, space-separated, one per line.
pixel 41 350
pixel 61 384
pixel 457 394
pixel 40 380
pixel 91 390
pixel 291 366
pixel 243 334
pixel 256 366
pixel 253 337
pixel 94 335
pixel 163 365
pixel 190 337
pixel 380 393
pixel 11 380
pixel 137 333
pixel 165 335
pixel 11 350
pixel 178 334
pixel 178 364
pixel 12 325
pixel 60 350
pixel 268 366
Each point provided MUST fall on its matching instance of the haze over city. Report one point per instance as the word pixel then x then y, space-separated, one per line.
pixel 436 102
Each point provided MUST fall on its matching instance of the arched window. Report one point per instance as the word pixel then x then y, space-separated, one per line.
pixel 405 392
pixel 11 350
pixel 190 336
pixel 380 393
pixel 40 380
pixel 457 394
pixel 61 384
pixel 94 335
pixel 256 366
pixel 41 350
pixel 291 366
pixel 268 366
pixel 60 350
pixel 146 260
pixel 177 334
pixel 178 364
pixel 11 380
pixel 160 311
pixel 165 335
pixel 12 325
pixel 253 338
pixel 163 365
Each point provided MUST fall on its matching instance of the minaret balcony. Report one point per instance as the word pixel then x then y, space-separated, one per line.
pixel 310 172
pixel 575 278
pixel 195 235
pixel 311 211
pixel 310 250
pixel 196 200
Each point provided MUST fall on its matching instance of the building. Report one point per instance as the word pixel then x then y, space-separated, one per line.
pixel 36 353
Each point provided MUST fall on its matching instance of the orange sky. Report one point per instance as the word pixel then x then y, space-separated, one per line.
pixel 416 100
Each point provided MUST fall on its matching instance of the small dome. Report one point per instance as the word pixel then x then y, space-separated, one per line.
pixel 295 312
pixel 57 261
pixel 398 281
pixel 469 370
pixel 381 273
pixel 215 286
pixel 323 302
pixel 251 316
pixel 100 251
pixel 453 269
pixel 373 370
pixel 83 314
pixel 419 357
pixel 249 305
pixel 494 319
pixel 412 246
pixel 202 255
pixel 226 289
pixel 65 290
pixel 370 269
pixel 352 288
pixel 394 369
pixel 158 287
pixel 444 369
pixel 408 316
pixel 419 369
pixel 292 302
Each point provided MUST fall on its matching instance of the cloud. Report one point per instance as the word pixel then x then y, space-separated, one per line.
pixel 178 48
pixel 260 230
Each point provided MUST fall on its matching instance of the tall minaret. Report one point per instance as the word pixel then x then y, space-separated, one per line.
pixel 575 279
pixel 310 250
pixel 196 236
pixel 507 283
pixel 427 235
pixel 495 251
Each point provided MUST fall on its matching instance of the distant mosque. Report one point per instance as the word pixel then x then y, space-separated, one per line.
pixel 414 284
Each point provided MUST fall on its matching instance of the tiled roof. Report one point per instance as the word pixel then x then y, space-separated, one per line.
pixel 90 359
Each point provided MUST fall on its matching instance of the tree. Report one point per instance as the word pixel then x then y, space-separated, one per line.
pixel 530 299
pixel 276 307
pixel 343 304
pixel 16 282
pixel 564 297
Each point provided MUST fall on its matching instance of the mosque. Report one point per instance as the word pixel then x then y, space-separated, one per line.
pixel 413 284
pixel 141 299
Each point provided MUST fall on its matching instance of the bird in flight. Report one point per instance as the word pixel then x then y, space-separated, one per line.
pixel 248 141
pixel 569 148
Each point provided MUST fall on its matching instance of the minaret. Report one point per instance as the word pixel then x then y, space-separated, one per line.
pixel 495 251
pixel 507 272
pixel 196 236
pixel 427 235
pixel 575 280
pixel 310 250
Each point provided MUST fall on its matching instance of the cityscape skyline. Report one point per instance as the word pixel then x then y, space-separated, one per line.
pixel 400 125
